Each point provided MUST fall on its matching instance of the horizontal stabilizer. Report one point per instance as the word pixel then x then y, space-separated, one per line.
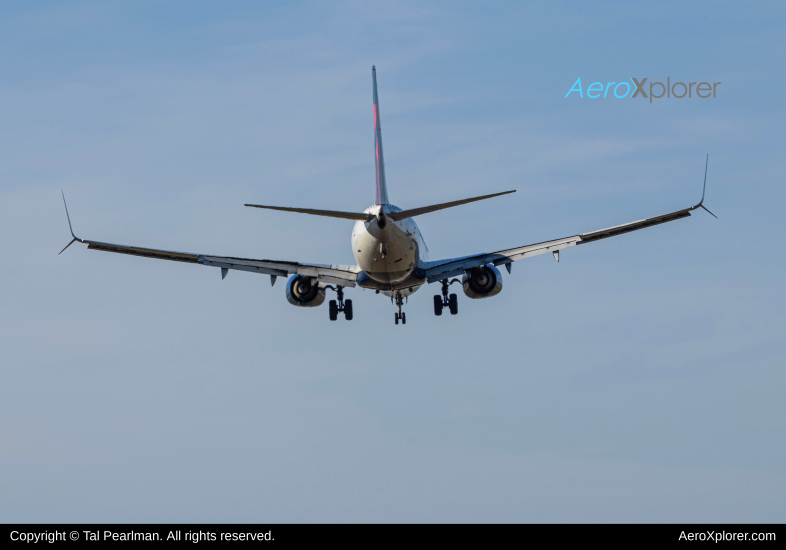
pixel 328 213
pixel 404 214
pixel 364 217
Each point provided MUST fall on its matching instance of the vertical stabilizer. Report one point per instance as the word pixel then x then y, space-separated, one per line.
pixel 382 190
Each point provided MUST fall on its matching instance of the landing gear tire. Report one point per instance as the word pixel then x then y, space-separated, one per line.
pixel 453 304
pixel 340 305
pixel 403 318
pixel 445 301
pixel 396 317
pixel 438 305
pixel 348 310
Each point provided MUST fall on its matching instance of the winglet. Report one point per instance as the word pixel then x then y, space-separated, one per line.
pixel 704 189
pixel 75 238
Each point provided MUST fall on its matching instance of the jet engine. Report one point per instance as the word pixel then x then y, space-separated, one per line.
pixel 305 291
pixel 482 282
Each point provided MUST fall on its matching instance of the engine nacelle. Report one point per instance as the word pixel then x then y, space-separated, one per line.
pixel 305 291
pixel 482 282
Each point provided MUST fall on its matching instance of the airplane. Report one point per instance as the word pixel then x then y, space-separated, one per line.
pixel 391 255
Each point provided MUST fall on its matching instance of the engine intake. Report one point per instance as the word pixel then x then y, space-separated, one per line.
pixel 305 291
pixel 482 282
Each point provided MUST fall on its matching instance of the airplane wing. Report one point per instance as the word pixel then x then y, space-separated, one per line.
pixel 344 275
pixel 443 269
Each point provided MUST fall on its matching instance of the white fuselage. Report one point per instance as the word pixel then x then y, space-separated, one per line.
pixel 389 255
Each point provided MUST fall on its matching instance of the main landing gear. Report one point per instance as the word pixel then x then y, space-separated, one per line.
pixel 400 316
pixel 334 307
pixel 446 301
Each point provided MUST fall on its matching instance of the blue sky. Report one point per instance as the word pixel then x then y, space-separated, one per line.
pixel 640 379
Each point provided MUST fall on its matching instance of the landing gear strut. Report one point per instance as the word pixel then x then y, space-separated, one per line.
pixel 400 316
pixel 334 307
pixel 445 301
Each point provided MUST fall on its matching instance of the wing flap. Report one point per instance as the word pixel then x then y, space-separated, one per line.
pixel 451 268
pixel 266 267
pixel 516 254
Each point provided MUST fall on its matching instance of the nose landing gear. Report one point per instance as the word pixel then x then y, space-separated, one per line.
pixel 400 316
pixel 336 306
pixel 445 301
